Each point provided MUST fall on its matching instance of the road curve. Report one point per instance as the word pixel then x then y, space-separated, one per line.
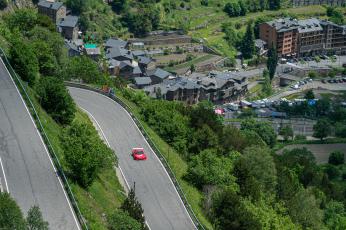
pixel 25 164
pixel 162 205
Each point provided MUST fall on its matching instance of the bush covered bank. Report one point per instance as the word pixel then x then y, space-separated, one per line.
pixel 245 185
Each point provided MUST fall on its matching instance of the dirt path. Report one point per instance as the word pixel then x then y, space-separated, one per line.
pixel 321 151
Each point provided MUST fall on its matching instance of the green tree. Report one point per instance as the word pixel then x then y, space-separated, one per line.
pixel 248 43
pixel 35 220
pixel 302 161
pixel 119 6
pixel 310 94
pixel 46 60
pixel 120 220
pixel 335 15
pixel 287 132
pixel 203 114
pixel 3 4
pixel 288 183
pixel 23 20
pixel 304 210
pixel 243 8
pixel 231 35
pixel 267 85
pixel 335 216
pixel 77 6
pixel 255 172
pixel 332 171
pixel 230 211
pixel 83 68
pixel 203 138
pixel 192 68
pixel 272 61
pixel 85 154
pixel 24 61
pixel 11 216
pixel 53 39
pixel 232 9
pixel 207 168
pixel 263 129
pixel 274 4
pixel 134 208
pixel 336 158
pixel 323 106
pixel 322 129
pixel 55 99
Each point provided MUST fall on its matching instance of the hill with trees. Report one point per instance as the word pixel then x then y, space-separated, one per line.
pixel 244 184
pixel 38 55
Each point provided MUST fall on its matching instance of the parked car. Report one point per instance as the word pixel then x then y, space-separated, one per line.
pixel 340 81
pixel 138 154
pixel 324 81
pixel 330 81
pixel 344 79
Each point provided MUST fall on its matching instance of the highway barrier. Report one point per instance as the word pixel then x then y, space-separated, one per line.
pixel 34 114
pixel 151 143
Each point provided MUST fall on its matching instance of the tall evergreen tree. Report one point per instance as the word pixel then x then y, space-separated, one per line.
pixel 11 217
pixel 134 208
pixel 248 44
pixel 272 61
pixel 274 4
pixel 35 220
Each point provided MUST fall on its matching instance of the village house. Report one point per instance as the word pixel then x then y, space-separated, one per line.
pixel 55 10
pixel 68 27
pixel 176 89
pixel 158 75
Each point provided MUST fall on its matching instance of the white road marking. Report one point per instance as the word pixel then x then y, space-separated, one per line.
pixel 149 147
pixel 50 159
pixel 3 172
pixel 107 142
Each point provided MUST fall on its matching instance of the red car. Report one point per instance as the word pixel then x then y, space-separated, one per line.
pixel 138 154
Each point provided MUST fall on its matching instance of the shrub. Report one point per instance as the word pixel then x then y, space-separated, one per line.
pixel 55 99
pixel 85 153
pixel 336 158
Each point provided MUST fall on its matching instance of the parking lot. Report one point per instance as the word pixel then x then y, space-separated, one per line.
pixel 321 61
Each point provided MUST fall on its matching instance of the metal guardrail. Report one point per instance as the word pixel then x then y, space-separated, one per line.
pixel 45 138
pixel 151 143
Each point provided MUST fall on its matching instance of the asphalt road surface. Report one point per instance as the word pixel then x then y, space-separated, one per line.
pixel 26 171
pixel 163 207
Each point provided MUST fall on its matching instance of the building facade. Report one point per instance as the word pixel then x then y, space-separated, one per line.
pixel 297 3
pixel 55 10
pixel 293 38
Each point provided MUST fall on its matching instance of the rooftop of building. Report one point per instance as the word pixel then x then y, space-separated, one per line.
pixel 119 52
pixel 69 21
pixel 50 4
pixel 115 42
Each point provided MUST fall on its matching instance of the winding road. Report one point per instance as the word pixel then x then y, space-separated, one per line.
pixel 26 170
pixel 162 205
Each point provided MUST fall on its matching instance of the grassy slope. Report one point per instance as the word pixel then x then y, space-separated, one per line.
pixel 179 167
pixel 211 18
pixel 104 195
